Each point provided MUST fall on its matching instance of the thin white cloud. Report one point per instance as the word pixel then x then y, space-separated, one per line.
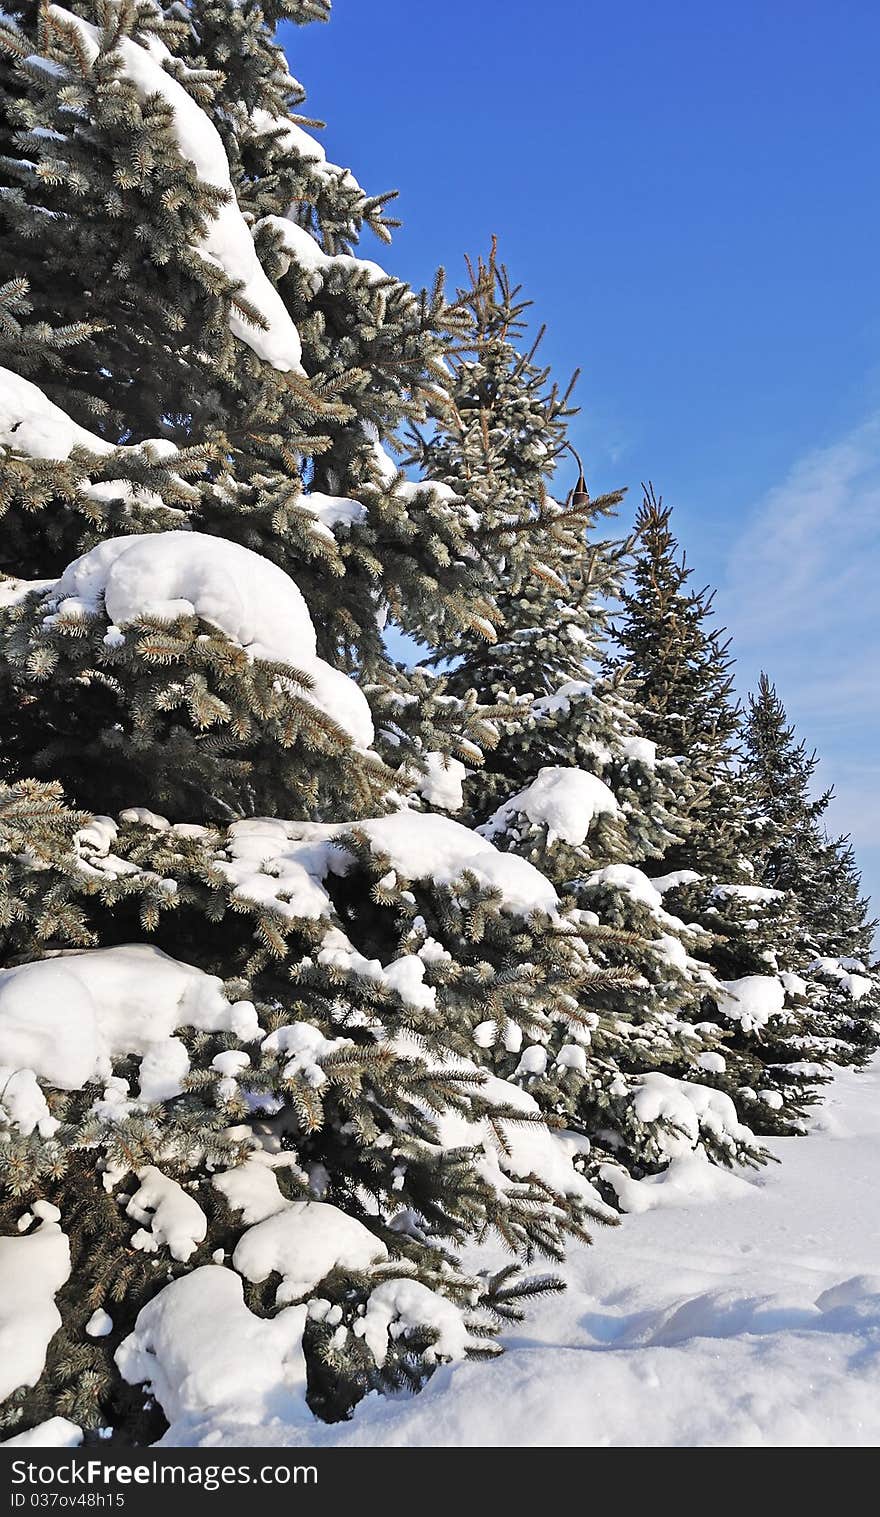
pixel 809 557
pixel 802 597
pixel 801 587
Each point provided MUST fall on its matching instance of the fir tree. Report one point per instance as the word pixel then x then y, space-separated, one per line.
pixel 840 925
pixel 572 785
pixel 680 674
pixel 264 1055
pixel 830 936
pixel 778 771
pixel 681 677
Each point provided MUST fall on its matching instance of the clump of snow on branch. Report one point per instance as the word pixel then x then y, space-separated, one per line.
pixel 752 1000
pixel 691 1110
pixel 302 249
pixel 33 425
pixel 526 1147
pixel 286 863
pixel 332 511
pixel 686 1114
pixel 297 141
pixel 398 1305
pixel 849 973
pixel 441 783
pixel 251 600
pixel 303 1243
pixel 251 1188
pixel 565 801
pixel 210 1363
pixel 169 1216
pixel 227 240
pixel 67 1018
pixel 757 894
pixel 33 1269
pixel 674 879
pixel 633 882
pixel 429 847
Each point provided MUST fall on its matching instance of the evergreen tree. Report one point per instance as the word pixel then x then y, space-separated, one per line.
pixel 680 673
pixel 681 677
pixel 572 785
pixel 778 771
pixel 830 938
pixel 840 925
pixel 721 876
pixel 232 1052
pixel 498 431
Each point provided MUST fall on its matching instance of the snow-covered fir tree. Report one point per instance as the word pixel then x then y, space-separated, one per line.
pixel 236 1092
pixel 680 673
pixel 681 678
pixel 318 970
pixel 572 784
pixel 830 938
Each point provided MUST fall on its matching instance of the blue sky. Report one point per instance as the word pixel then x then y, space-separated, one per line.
pixel 689 194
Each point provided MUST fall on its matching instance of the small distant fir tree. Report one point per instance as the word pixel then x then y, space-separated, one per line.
pixel 723 876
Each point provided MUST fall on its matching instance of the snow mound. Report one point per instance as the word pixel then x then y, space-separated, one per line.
pixel 749 1319
pixel 303 1243
pixel 32 1269
pixel 251 600
pixel 565 801
pixel 227 240
pixel 211 1364
pixel 688 1180
pixel 57 1433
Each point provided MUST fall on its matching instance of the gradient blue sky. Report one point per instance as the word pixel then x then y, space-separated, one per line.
pixel 689 194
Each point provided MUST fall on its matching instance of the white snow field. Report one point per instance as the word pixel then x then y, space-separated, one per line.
pixel 752 1318
pixel 734 1311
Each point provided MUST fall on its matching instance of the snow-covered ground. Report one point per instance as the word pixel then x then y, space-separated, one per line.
pixel 748 1319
